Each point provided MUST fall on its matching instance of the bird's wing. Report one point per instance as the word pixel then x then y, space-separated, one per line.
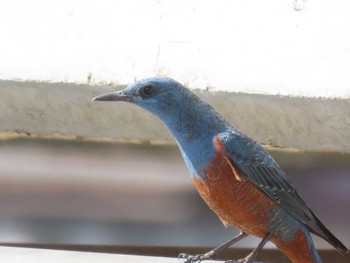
pixel 258 166
pixel 255 164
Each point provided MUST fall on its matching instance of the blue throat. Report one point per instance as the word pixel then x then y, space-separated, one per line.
pixel 194 128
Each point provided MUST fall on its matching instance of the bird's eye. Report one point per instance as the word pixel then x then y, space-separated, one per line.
pixel 147 90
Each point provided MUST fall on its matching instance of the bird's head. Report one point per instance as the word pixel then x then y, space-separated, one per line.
pixel 161 96
pixel 193 122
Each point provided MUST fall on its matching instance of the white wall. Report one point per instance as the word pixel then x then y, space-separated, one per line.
pixel 250 46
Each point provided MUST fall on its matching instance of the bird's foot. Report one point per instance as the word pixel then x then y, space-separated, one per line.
pixel 197 258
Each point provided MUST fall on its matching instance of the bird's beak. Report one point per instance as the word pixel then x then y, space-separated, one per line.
pixel 113 96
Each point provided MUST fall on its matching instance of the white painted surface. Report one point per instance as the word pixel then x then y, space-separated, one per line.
pixel 249 46
pixel 29 255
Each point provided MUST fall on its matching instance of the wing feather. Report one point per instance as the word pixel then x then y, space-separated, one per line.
pixel 258 166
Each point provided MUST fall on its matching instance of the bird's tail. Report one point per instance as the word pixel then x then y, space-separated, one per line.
pixel 314 253
pixel 329 237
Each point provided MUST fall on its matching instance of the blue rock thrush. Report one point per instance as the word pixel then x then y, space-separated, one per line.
pixel 235 176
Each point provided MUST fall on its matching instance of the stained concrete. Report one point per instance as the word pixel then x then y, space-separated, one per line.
pixel 64 110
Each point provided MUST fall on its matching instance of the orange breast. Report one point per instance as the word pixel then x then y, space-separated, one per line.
pixel 239 203
pixel 234 199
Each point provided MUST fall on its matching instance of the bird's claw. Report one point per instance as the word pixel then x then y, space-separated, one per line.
pixel 210 255
pixel 196 258
pixel 242 260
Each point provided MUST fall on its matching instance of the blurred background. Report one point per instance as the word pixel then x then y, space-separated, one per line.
pixel 67 192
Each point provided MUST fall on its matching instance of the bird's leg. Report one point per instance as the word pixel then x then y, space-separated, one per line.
pixel 212 253
pixel 228 243
pixel 254 253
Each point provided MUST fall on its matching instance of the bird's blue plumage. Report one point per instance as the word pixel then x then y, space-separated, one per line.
pixel 208 142
pixel 192 121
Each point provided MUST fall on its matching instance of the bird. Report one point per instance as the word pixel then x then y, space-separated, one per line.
pixel 237 178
